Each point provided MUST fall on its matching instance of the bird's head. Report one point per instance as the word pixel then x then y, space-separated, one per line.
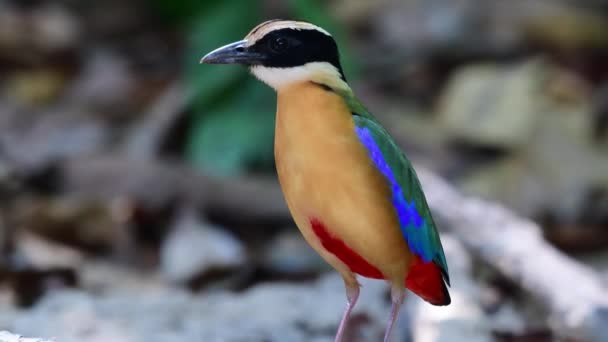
pixel 284 52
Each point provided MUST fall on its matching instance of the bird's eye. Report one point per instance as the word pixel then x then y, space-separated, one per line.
pixel 279 44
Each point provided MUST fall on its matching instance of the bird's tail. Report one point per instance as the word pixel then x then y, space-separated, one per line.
pixel 425 280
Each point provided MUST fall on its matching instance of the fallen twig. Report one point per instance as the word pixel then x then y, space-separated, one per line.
pixel 573 293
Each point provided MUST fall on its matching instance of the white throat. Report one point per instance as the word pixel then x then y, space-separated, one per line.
pixel 319 72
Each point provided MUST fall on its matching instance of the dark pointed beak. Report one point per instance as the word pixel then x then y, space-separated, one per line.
pixel 235 53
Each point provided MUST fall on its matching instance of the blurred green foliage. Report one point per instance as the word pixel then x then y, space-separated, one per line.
pixel 233 114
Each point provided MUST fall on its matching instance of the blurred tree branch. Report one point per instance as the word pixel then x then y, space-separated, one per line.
pixel 148 134
pixel 244 199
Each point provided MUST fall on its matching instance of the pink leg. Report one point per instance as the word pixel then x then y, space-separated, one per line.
pixel 352 294
pixel 397 296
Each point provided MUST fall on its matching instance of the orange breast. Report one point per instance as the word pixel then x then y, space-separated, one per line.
pixel 326 175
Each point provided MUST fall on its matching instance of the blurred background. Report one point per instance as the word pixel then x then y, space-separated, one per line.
pixel 138 199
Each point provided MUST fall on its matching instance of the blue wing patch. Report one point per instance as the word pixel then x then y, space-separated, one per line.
pixel 413 226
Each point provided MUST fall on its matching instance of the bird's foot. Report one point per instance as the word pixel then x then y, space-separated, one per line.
pixel 352 294
pixel 397 297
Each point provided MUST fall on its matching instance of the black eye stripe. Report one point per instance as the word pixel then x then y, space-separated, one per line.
pixel 297 47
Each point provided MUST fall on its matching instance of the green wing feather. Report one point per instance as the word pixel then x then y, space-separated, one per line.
pixel 410 203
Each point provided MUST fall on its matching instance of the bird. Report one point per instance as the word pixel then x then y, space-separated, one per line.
pixel 350 189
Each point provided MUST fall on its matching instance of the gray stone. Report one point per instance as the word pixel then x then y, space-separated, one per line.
pixel 33 139
pixel 507 319
pixel 54 28
pixel 288 253
pixel 194 248
pixel 45 254
pixel 560 158
pixel 494 106
pixel 105 83
pixel 100 276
